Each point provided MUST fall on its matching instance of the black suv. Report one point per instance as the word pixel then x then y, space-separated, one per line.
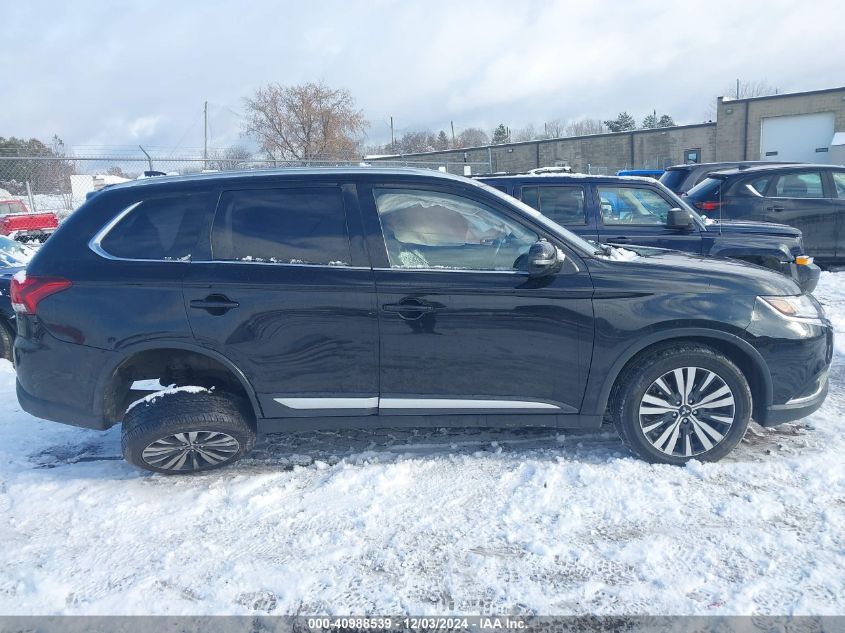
pixel 622 210
pixel 808 197
pixel 681 178
pixel 198 310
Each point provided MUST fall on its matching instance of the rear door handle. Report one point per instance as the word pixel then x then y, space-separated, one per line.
pixel 774 208
pixel 409 309
pixel 619 240
pixel 215 304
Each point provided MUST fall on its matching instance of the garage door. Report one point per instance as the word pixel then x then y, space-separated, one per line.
pixel 797 137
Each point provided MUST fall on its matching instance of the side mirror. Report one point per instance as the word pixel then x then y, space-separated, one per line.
pixel 542 259
pixel 679 219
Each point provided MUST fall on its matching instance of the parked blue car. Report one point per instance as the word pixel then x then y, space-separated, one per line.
pixel 645 173
pixel 641 211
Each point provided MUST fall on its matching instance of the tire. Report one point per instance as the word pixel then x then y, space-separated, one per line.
pixel 7 342
pixel 214 430
pixel 710 421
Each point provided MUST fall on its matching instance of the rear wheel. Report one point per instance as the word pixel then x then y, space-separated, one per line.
pixel 184 432
pixel 682 402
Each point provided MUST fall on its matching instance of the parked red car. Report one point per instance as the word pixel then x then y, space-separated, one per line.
pixel 16 221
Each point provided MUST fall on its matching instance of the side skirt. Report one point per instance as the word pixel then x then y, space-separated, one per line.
pixel 499 420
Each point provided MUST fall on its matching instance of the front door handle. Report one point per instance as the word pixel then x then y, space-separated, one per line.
pixel 214 304
pixel 409 309
pixel 619 240
pixel 774 209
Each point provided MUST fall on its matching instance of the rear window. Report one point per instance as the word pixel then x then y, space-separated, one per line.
pixel 563 204
pixel 707 189
pixel 157 229
pixel 282 226
pixel 11 206
pixel 674 178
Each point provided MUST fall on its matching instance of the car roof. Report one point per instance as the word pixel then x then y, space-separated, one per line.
pixel 742 164
pixel 765 169
pixel 565 178
pixel 245 175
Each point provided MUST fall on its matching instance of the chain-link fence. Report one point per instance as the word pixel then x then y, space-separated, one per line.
pixel 60 183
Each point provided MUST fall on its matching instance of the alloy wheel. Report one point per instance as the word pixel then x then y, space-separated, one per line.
pixel 687 411
pixel 191 450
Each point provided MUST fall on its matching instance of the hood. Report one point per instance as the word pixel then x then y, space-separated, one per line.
pixel 756 228
pixel 659 270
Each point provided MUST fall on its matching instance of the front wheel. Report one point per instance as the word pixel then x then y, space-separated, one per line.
pixel 682 402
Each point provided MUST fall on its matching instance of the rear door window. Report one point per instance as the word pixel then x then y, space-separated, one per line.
pixel 158 229
pixel 563 204
pixel 303 225
pixel 799 185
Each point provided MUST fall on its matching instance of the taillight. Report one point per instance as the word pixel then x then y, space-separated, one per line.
pixel 707 206
pixel 27 292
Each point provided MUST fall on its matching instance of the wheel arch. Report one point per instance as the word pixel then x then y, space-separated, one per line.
pixel 748 359
pixel 111 385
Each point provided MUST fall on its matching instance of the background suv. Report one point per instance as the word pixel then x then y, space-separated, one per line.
pixel 617 210
pixel 682 178
pixel 808 197
pixel 198 310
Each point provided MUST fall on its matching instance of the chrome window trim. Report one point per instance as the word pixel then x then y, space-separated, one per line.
pixel 95 243
pixel 253 263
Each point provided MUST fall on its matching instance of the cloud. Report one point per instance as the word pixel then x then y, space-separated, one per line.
pixel 142 73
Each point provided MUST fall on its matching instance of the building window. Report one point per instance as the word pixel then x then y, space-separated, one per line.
pixel 692 155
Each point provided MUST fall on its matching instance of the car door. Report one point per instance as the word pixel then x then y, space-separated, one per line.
pixel 837 177
pixel 798 198
pixel 286 293
pixel 637 214
pixel 565 204
pixel 463 329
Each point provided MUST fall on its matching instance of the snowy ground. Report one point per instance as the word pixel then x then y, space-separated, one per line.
pixel 431 522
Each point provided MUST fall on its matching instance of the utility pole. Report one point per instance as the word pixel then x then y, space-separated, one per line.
pixel 452 123
pixel 205 136
pixel 392 138
pixel 737 88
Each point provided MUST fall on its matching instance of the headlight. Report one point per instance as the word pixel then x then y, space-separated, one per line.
pixel 795 306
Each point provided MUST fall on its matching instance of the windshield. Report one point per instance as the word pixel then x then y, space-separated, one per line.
pixel 576 242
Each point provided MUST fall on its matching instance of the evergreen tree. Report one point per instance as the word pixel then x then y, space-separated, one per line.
pixel 621 123
pixel 500 134
pixel 442 141
pixel 666 121
pixel 650 121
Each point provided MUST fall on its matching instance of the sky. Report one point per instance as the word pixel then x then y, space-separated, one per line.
pixel 122 74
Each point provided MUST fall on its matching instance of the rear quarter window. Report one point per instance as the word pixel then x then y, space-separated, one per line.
pixel 674 178
pixel 161 228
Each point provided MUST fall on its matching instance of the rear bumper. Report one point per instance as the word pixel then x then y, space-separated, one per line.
pixel 57 380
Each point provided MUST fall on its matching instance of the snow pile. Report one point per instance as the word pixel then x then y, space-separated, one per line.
pixel 397 521
pixel 619 254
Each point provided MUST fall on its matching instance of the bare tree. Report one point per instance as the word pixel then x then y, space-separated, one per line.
pixel 528 133
pixel 472 137
pixel 305 122
pixel 231 158
pixel 416 141
pixel 749 89
pixel 555 128
pixel 584 127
